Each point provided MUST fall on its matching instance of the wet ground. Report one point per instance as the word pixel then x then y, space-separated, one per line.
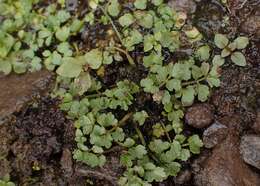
pixel 36 139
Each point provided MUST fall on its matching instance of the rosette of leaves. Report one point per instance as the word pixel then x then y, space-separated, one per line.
pixel 231 48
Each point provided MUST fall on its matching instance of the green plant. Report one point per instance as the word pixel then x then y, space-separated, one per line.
pixel 5 181
pixel 103 114
pixel 230 48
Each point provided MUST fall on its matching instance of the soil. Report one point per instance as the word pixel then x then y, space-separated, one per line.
pixel 37 141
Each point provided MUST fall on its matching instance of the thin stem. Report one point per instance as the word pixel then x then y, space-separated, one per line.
pixel 167 134
pixel 140 135
pixel 193 82
pixel 112 23
pixel 129 58
pixel 122 122
pixel 94 95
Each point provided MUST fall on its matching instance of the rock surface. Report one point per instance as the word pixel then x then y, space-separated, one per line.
pixel 224 167
pixel 199 116
pixel 256 125
pixel 250 150
pixel 17 90
pixel 187 6
pixel 214 135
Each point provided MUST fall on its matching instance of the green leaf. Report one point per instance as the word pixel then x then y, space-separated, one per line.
pixel 181 71
pixel 203 92
pixel 158 146
pixel 140 4
pixel 185 155
pixel 203 53
pixel 172 168
pixel 126 20
pixel 148 85
pixel 83 82
pixel 144 19
pixel 221 41
pixel 241 42
pixel 188 96
pixel 195 144
pixel 19 67
pixel 196 72
pixel 137 152
pixel 114 8
pixel 69 68
pixel 157 174
pixel 63 33
pixel 239 59
pixel 118 135
pixel 140 117
pixel 218 60
pixel 5 67
pixel 107 120
pixel 149 42
pixel 173 84
pixel 152 59
pixel 225 52
pixel 157 2
pixel 94 58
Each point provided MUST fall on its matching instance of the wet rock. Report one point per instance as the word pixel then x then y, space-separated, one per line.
pixel 225 166
pixel 17 90
pixel 252 23
pixel 199 116
pixel 187 6
pixel 250 150
pixel 183 177
pixel 66 163
pixel 214 135
pixel 256 126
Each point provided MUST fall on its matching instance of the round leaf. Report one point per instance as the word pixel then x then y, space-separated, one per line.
pixel 241 42
pixel 221 41
pixel 239 59
pixel 69 68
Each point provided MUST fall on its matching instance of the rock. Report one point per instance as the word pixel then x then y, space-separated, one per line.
pixel 17 90
pixel 256 125
pixel 224 167
pixel 66 163
pixel 250 150
pixel 187 6
pixel 214 135
pixel 252 24
pixel 183 177
pixel 199 116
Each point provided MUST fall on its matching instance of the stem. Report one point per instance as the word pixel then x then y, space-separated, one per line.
pixel 140 135
pixel 112 23
pixel 129 58
pixel 193 82
pixel 94 95
pixel 167 134
pixel 122 122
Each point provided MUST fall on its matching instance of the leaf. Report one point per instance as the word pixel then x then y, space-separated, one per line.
pixel 173 84
pixel 63 33
pixel 19 67
pixel 152 59
pixel 218 60
pixel 203 53
pixel 225 52
pixel 114 8
pixel 221 41
pixel 239 59
pixel 144 19
pixel 172 168
pixel 107 120
pixel 157 2
pixel 5 67
pixel 157 174
pixel 69 68
pixel 213 81
pixel 118 135
pixel 148 85
pixel 185 155
pixel 181 71
pixel 203 92
pixel 241 42
pixel 195 144
pixel 158 146
pixel 137 152
pixel 140 4
pixel 126 20
pixel 94 58
pixel 83 82
pixel 188 96
pixel 196 72
pixel 149 42
pixel 140 117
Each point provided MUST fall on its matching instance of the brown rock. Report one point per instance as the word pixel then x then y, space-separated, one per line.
pixel 188 6
pixel 252 24
pixel 199 116
pixel 225 167
pixel 214 135
pixel 250 150
pixel 17 90
pixel 66 163
pixel 256 125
